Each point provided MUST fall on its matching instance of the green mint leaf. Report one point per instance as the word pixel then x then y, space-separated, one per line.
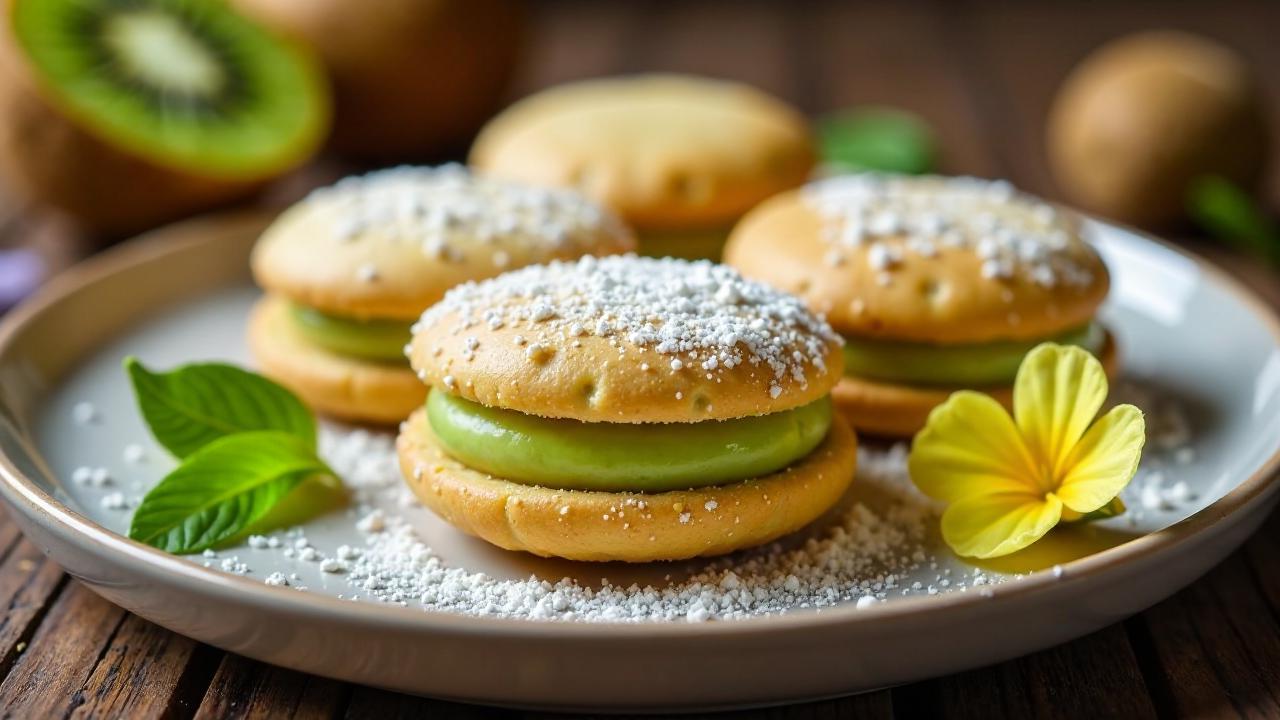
pixel 876 139
pixel 193 405
pixel 231 487
pixel 1228 212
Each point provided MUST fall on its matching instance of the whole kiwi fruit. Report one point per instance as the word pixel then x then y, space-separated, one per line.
pixel 127 113
pixel 1145 115
pixel 412 79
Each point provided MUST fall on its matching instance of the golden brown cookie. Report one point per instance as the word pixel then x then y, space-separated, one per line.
pixel 938 260
pixel 629 527
pixel 944 262
pixel 344 387
pixel 390 243
pixel 623 340
pixel 667 152
pixel 627 339
pixel 384 246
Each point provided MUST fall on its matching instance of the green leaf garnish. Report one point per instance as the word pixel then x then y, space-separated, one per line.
pixel 1228 212
pixel 876 139
pixel 248 451
pixel 229 488
pixel 196 404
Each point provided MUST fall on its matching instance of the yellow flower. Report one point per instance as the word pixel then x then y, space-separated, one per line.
pixel 1008 481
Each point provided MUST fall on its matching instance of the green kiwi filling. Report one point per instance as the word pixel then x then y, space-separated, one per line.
pixel 705 244
pixel 573 455
pixel 188 82
pixel 381 340
pixel 975 365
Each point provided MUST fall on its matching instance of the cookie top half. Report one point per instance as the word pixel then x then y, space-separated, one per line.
pixel 926 259
pixel 627 339
pixel 390 243
pixel 665 151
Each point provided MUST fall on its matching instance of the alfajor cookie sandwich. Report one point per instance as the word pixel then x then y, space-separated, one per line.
pixel 935 283
pixel 680 158
pixel 350 268
pixel 626 408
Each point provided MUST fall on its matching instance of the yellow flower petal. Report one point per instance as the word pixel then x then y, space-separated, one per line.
pixel 1057 393
pixel 968 448
pixel 995 525
pixel 1104 460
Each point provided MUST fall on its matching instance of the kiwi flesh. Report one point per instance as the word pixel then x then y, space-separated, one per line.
pixel 127 112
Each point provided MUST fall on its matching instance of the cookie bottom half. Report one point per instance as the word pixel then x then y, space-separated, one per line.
pixel 337 385
pixel 626 526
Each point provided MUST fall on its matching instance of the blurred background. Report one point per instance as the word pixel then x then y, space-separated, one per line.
pixel 1172 132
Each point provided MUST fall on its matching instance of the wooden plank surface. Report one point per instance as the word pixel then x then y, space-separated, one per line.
pixel 982 73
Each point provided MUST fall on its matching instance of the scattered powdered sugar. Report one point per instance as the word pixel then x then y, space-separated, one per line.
pixel 862 553
pixel 114 501
pixel 1156 489
pixel 84 413
pixel 447 211
pixel 92 476
pixel 706 317
pixel 1012 233
pixel 878 545
pixel 134 453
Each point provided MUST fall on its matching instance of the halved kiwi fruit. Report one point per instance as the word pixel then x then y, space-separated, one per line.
pixel 124 112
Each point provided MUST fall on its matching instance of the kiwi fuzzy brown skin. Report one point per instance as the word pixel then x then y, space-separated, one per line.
pixel 47 158
pixel 412 79
pixel 1144 116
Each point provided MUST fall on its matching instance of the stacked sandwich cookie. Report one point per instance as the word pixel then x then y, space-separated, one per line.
pixel 937 284
pixel 628 409
pixel 680 158
pixel 350 268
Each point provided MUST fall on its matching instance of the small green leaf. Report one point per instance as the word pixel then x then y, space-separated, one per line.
pixel 228 488
pixel 194 405
pixel 1231 214
pixel 876 139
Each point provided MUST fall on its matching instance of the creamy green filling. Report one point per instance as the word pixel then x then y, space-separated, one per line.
pixel 573 455
pixel 704 244
pixel 381 340
pixel 976 365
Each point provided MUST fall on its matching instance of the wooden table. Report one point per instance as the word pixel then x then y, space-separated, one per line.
pixel 983 74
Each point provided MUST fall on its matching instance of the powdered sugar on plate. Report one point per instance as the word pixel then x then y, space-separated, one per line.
pixel 877 545
pixel 861 552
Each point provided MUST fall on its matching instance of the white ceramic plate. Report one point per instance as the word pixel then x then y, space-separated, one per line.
pixel 1195 345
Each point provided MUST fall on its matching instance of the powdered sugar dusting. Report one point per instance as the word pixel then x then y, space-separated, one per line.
pixel 877 545
pixel 862 552
pixel 447 211
pixel 1157 489
pixel 888 217
pixel 704 317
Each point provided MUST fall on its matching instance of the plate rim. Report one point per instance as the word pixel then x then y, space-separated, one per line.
pixel 39 506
